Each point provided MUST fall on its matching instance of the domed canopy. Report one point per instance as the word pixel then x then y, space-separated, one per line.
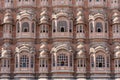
pixel 43 54
pixel 81 54
pixel 8 17
pixel 43 46
pixel 80 17
pixel 25 48
pixel 5 52
pixel 80 46
pixel 99 48
pixel 44 13
pixel 116 18
pixel 62 47
pixel 44 17
pixel 117 54
pixel 117 51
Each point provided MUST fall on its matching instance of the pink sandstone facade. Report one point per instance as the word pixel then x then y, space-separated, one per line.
pixel 60 39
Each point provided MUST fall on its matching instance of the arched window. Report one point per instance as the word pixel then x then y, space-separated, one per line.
pixel 33 25
pixel 24 61
pixel 53 25
pixel 62 29
pixel 16 60
pixel 25 27
pixel 99 27
pixel 92 61
pixel 5 62
pixel 43 62
pixel 18 27
pixel 62 26
pixel 71 25
pixel 100 61
pixel 91 27
pixel 32 62
pixel 80 29
pixel 53 58
pixel 62 60
pixel 81 62
pixel 106 27
pixel 117 63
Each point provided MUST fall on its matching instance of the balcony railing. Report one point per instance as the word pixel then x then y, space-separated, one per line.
pixel 43 35
pixel 43 70
pixel 98 35
pixel 100 70
pixel 9 5
pixel 26 3
pixel 62 35
pixel 62 69
pixel 7 35
pixel 97 4
pixel 80 35
pixel 116 35
pixel 117 70
pixel 81 70
pixel 5 70
pixel 25 35
pixel 24 70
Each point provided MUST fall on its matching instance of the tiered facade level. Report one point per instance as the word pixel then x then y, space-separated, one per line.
pixel 60 39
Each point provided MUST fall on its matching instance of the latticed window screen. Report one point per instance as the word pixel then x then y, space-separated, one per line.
pixel 62 26
pixel 62 60
pixel 117 63
pixel 43 62
pixel 5 62
pixel 81 62
pixel 25 27
pixel 91 27
pixel 99 27
pixel 24 61
pixel 100 61
pixel 16 59
pixel 92 61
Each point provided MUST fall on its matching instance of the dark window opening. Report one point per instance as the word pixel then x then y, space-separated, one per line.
pixel 100 65
pixel 25 30
pixel 54 30
pixel 25 27
pixel 99 30
pixel 62 29
pixel 70 30
pixel 62 63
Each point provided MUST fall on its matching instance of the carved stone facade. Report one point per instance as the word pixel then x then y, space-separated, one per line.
pixel 60 39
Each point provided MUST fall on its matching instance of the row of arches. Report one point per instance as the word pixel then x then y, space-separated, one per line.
pixel 62 59
pixel 62 26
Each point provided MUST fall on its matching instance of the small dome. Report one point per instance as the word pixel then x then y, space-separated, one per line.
pixel 5 53
pixel 8 17
pixel 80 46
pixel 116 18
pixel 117 47
pixel 43 46
pixel 43 53
pixel 115 14
pixel 80 17
pixel 117 54
pixel 81 54
pixel 92 50
pixel 44 17
pixel 43 13
pixel 79 13
pixel 62 14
